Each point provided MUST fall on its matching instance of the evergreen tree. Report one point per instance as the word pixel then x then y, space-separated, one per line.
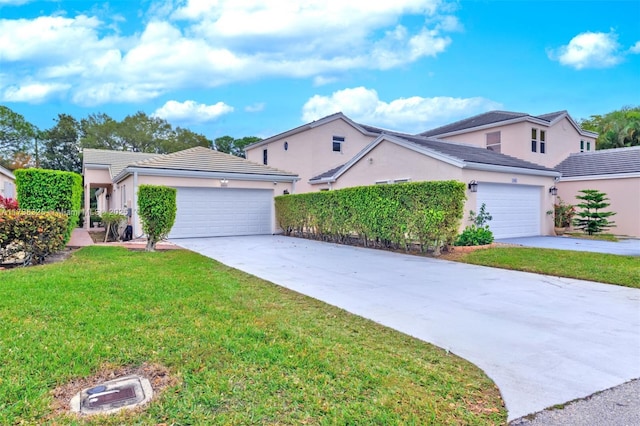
pixel 591 219
pixel 60 145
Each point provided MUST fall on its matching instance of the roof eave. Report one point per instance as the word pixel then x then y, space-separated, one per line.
pixel 148 171
pixel 600 177
pixel 510 169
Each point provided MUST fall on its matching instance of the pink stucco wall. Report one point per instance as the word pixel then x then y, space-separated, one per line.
pixel 562 139
pixel 310 152
pixel 623 194
pixel 3 181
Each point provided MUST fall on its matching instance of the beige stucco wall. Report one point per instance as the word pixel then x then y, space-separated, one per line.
pixel 123 193
pixel 562 139
pixel 390 161
pixel 623 194
pixel 310 152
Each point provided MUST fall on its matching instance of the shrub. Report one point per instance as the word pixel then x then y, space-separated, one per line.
pixel 562 214
pixel 50 190
pixel 390 216
pixel 34 235
pixel 591 219
pixel 478 233
pixel 8 203
pixel 157 209
pixel 111 223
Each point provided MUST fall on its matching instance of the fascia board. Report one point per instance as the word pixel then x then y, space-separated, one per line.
pixel 600 177
pixel 510 169
pixel 7 173
pixel 145 171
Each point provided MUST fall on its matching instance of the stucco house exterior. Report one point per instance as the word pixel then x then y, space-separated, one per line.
pixel 217 194
pixel 7 183
pixel 335 152
pixel 616 172
pixel 545 139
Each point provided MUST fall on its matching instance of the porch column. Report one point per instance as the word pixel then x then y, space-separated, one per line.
pixel 87 205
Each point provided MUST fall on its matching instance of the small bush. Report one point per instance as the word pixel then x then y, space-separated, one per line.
pixel 111 223
pixel 31 236
pixel 477 234
pixel 591 219
pixel 8 203
pixel 157 208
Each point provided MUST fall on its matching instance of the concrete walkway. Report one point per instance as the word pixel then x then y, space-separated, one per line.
pixel 630 247
pixel 543 340
pixel 80 238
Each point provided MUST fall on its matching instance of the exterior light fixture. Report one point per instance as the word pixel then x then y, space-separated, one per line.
pixel 224 182
pixel 473 186
pixel 553 190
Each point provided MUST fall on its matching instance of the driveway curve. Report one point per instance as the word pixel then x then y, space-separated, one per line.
pixel 543 340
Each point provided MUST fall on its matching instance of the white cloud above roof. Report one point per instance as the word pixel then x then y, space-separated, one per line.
pixel 407 114
pixel 207 44
pixel 192 112
pixel 635 48
pixel 589 50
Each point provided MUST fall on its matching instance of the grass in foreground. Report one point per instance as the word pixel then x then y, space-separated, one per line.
pixel 601 237
pixel 244 351
pixel 605 268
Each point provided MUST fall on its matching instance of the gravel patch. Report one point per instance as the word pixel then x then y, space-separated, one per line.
pixel 618 406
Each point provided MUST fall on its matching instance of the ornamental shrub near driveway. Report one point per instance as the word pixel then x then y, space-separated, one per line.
pixel 29 237
pixel 157 209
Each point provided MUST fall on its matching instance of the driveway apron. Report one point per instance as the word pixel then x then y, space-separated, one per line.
pixel 543 340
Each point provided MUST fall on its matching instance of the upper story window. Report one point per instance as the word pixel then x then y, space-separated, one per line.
pixel 538 140
pixel 493 141
pixel 264 156
pixel 588 146
pixel 337 143
pixel 582 146
pixel 286 145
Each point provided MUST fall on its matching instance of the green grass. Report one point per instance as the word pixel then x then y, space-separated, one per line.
pixel 244 351
pixel 601 237
pixel 605 268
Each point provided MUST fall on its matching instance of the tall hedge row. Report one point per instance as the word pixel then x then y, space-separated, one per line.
pixel 42 190
pixel 427 214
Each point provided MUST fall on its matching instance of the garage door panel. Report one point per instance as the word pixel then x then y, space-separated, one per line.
pixel 216 212
pixel 515 209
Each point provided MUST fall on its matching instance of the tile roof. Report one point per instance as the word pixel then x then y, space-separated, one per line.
pixel 487 118
pixel 203 159
pixel 328 173
pixel 116 160
pixel 604 162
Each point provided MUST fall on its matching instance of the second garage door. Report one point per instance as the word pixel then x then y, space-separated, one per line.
pixel 219 212
pixel 515 209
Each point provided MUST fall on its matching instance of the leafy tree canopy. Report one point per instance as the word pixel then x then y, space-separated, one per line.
pixel 60 148
pixel 233 146
pixel 616 129
pixel 16 138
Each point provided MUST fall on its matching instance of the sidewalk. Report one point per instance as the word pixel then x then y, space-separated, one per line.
pixel 80 237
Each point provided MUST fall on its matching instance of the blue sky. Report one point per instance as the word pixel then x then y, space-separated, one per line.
pixel 257 68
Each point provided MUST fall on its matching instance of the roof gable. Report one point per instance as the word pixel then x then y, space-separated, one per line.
pixel 7 173
pixel 115 160
pixel 604 162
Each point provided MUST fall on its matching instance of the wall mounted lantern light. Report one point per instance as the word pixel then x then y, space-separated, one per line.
pixel 224 182
pixel 553 190
pixel 473 186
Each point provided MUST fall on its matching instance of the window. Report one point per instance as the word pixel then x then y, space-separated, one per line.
pixel 264 156
pixel 543 142
pixel 337 143
pixel 286 145
pixel 493 141
pixel 588 146
pixel 581 146
pixel 534 145
pixel 538 140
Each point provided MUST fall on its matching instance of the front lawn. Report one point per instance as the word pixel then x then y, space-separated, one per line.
pixel 240 350
pixel 605 268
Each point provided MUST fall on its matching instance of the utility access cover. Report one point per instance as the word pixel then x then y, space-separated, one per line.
pixel 112 396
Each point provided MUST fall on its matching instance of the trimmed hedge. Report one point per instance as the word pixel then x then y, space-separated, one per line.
pixel 157 209
pixel 41 190
pixel 390 216
pixel 30 237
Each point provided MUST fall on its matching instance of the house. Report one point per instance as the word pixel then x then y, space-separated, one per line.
pixel 616 172
pixel 7 183
pixel 335 152
pixel 217 194
pixel 545 139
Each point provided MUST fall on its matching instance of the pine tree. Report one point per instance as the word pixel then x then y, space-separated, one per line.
pixel 591 219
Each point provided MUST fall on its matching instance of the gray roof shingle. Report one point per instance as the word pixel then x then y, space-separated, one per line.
pixel 327 174
pixel 604 162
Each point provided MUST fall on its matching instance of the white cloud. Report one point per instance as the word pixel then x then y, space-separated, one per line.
pixel 207 44
pixel 13 2
pixel 589 50
pixel 33 92
pixel 257 107
pixel 192 112
pixel 635 48
pixel 412 114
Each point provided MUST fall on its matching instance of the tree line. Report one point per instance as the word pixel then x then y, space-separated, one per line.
pixel 60 147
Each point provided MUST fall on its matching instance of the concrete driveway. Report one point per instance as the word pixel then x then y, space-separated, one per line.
pixel 630 247
pixel 543 340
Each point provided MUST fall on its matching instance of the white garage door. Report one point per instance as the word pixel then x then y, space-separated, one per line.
pixel 219 212
pixel 515 209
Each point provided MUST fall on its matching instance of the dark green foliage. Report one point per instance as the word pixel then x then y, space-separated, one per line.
pixel 616 129
pixel 389 216
pixel 591 219
pixel 157 209
pixel 50 191
pixel 16 136
pixel 111 222
pixel 60 149
pixel 31 235
pixel 478 233
pixel 233 146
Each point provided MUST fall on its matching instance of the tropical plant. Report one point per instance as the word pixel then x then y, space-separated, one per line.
pixel 111 223
pixel 8 203
pixel 157 207
pixel 592 219
pixel 563 214
pixel 478 233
